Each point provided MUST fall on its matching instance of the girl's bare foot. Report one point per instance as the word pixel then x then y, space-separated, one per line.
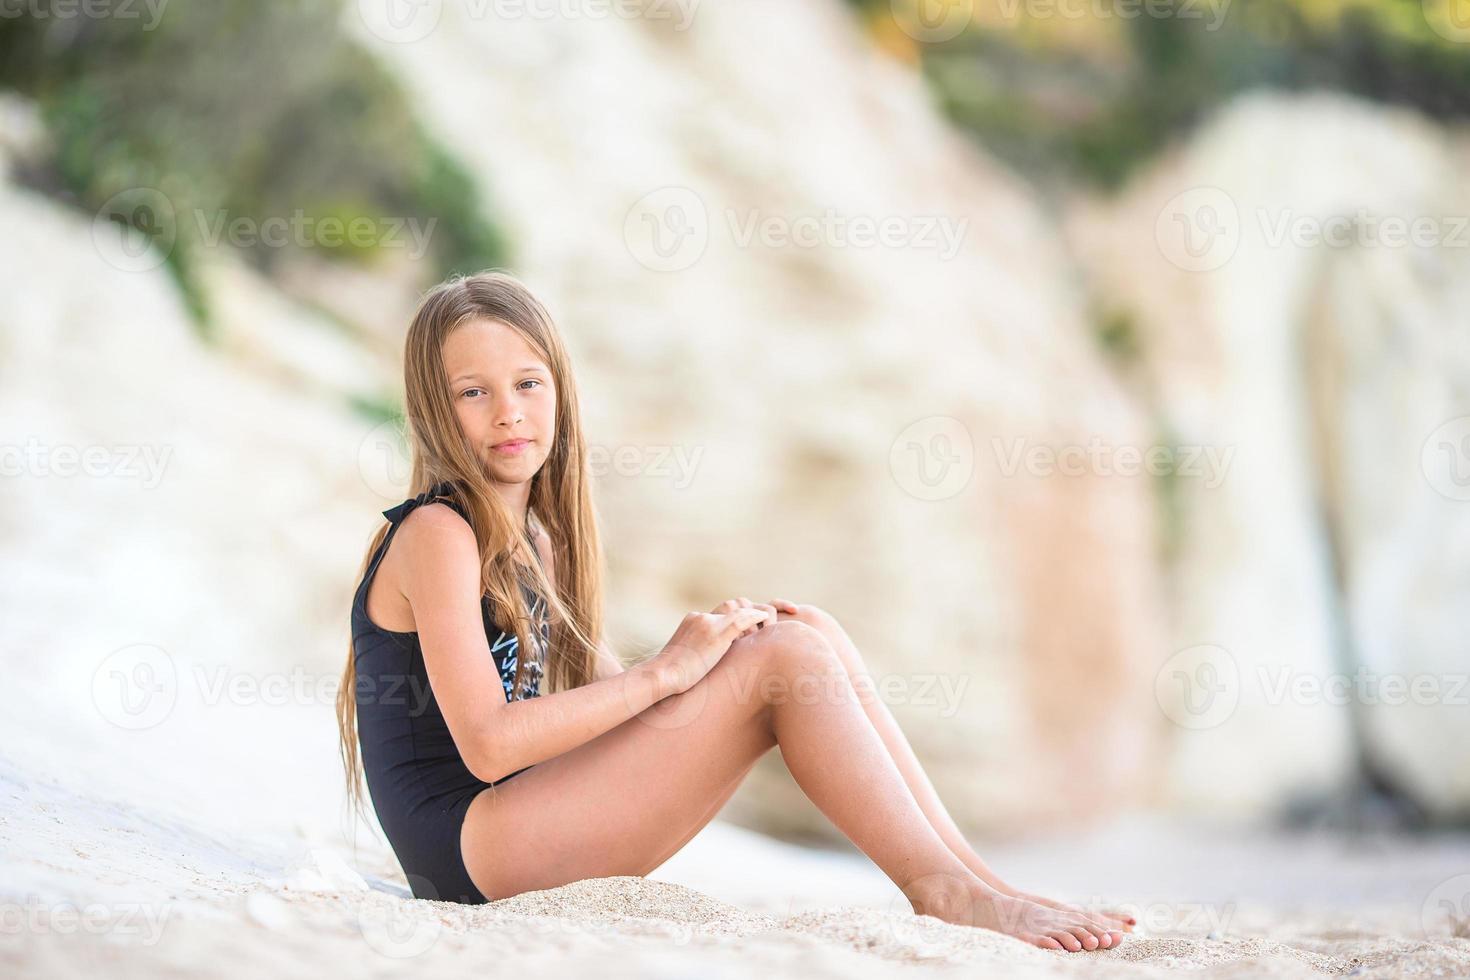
pixel 971 902
pixel 1113 918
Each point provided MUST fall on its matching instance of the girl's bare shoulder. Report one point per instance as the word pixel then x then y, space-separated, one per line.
pixel 435 548
pixel 435 533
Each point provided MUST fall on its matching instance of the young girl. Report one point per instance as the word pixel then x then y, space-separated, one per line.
pixel 504 746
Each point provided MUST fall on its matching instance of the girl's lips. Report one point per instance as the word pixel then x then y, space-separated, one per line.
pixel 514 448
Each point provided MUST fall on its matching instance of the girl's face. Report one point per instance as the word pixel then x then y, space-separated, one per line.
pixel 503 395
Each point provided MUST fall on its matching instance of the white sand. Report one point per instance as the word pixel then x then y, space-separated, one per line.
pixel 213 840
pixel 92 883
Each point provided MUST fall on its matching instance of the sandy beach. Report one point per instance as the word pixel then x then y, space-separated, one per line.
pixel 1063 367
pixel 92 883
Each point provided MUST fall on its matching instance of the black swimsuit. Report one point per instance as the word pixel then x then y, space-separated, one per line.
pixel 419 784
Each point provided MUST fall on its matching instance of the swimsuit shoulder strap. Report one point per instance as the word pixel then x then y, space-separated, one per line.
pixel 442 493
pixel 439 493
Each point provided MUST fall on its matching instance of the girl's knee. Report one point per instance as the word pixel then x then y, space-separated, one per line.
pixel 796 648
pixel 826 624
pixel 776 647
pixel 796 635
pixel 818 619
pixel 789 661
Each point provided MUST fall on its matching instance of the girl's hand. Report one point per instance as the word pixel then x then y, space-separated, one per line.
pixel 730 605
pixel 699 643
pixel 781 605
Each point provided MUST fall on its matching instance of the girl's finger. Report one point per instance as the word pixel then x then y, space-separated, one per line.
pixel 768 608
pixel 736 604
pixel 745 619
pixel 769 616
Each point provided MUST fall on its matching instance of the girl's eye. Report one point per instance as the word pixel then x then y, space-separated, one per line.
pixel 469 393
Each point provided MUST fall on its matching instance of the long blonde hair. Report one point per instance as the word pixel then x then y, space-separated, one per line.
pixel 560 498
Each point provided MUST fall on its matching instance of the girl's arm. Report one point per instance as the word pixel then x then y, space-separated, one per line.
pixel 608 664
pixel 441 581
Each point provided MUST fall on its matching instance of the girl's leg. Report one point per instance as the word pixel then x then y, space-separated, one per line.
pixel 908 763
pixel 626 801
